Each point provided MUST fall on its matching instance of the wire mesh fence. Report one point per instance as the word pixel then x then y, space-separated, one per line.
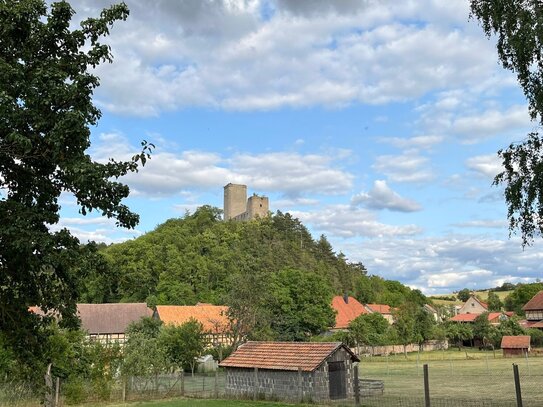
pixel 472 379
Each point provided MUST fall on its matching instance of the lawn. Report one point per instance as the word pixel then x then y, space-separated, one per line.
pixel 457 376
pixel 203 403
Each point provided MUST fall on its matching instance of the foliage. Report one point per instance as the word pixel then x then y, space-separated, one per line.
pixel 300 305
pixel 370 329
pixel 183 344
pixel 147 326
pixel 200 258
pixel 376 290
pixel 46 109
pixel 494 302
pixel 464 294
pixel 458 332
pixel 520 296
pixel 143 354
pixel 536 337
pixel 517 24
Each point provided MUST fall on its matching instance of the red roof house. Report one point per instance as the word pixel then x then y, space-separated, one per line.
pixel 534 308
pixel 347 309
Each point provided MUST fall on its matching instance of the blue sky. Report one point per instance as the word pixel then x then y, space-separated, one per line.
pixel 375 122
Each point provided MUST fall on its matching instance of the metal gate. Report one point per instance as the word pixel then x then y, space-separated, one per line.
pixel 337 378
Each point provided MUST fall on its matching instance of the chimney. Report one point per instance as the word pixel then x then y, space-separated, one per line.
pixel 346 298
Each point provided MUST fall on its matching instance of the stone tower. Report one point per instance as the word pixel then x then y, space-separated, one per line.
pixel 235 200
pixel 238 207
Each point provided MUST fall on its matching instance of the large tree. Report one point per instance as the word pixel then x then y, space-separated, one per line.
pixel 518 25
pixel 46 108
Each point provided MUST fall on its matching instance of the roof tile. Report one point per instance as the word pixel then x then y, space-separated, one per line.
pixel 346 312
pixel 212 317
pixel 516 342
pixel 536 303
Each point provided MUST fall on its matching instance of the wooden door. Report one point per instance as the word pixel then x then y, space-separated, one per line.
pixel 337 378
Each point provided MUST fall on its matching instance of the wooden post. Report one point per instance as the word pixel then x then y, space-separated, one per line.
pixel 216 383
pixel 182 383
pixel 357 385
pixel 255 395
pixel 517 385
pixel 426 387
pixel 57 392
pixel 300 386
pixel 124 389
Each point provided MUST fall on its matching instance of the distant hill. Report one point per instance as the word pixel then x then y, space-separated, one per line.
pixel 197 258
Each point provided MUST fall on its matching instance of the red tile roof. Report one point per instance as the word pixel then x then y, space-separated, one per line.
pixel 212 317
pixel 536 303
pixel 283 355
pixel 464 317
pixel 346 312
pixel 471 317
pixel 516 342
pixel 380 308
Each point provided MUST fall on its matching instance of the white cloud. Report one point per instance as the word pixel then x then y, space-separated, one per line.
pixel 382 197
pixel 483 223
pixel 289 173
pixel 416 142
pixel 224 54
pixel 488 165
pixel 406 167
pixel 346 221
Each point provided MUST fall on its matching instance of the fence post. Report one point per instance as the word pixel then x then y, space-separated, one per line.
pixel 517 385
pixel 182 382
pixel 124 389
pixel 356 386
pixel 426 387
pixel 255 395
pixel 217 383
pixel 57 392
pixel 300 386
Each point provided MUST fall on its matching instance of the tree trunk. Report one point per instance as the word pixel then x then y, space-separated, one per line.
pixel 48 399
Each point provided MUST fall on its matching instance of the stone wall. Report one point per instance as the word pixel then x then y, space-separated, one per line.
pixel 392 349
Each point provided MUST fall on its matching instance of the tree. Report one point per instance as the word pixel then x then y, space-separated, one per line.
pixel 494 302
pixel 45 113
pixel 300 305
pixel 464 294
pixel 520 296
pixel 518 26
pixel 370 329
pixel 183 344
pixel 404 324
pixel 424 326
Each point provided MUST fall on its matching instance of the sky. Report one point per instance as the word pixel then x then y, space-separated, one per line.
pixel 375 122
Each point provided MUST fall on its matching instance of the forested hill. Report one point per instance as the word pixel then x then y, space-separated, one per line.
pixel 199 258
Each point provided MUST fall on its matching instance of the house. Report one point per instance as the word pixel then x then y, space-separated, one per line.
pixel 534 312
pixel 383 309
pixel 213 318
pixel 291 371
pixel 493 317
pixel 473 306
pixel 432 311
pixel 515 345
pixel 107 323
pixel 347 308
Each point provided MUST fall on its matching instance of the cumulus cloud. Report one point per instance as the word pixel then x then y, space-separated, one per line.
pixel 288 173
pixel 483 223
pixel 406 167
pixel 488 165
pixel 446 263
pixel 382 197
pixel 416 142
pixel 226 54
pixel 346 221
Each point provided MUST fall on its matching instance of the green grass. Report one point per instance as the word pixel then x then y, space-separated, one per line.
pixel 453 376
pixel 200 403
pixel 482 294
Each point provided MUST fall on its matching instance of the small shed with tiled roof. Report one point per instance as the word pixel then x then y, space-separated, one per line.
pixel 291 371
pixel 515 345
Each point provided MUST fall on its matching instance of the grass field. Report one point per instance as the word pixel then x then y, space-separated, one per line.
pixel 458 377
pixel 482 294
pixel 202 403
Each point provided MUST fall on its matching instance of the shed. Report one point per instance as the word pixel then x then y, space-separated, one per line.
pixel 515 345
pixel 291 371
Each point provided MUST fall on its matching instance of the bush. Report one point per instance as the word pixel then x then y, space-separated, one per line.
pixel 74 391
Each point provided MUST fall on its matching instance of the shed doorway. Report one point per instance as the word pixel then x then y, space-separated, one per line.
pixel 337 378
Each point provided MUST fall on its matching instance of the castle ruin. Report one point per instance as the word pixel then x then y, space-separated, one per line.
pixel 237 207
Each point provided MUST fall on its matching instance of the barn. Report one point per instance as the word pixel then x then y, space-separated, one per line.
pixel 291 371
pixel 515 345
